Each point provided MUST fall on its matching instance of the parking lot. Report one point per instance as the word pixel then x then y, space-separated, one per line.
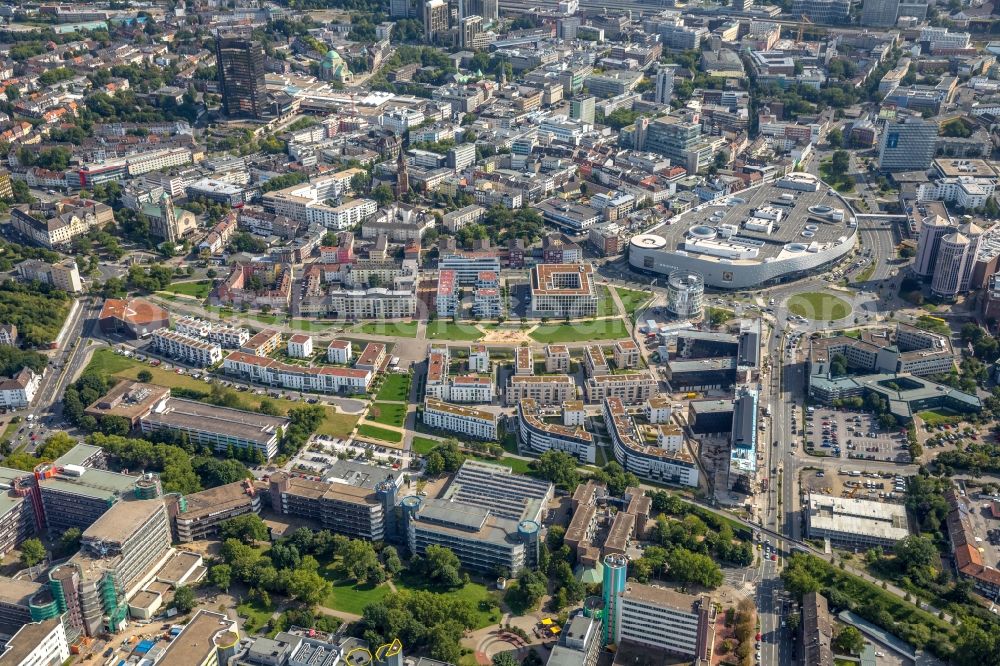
pixel 854 435
pixel 853 483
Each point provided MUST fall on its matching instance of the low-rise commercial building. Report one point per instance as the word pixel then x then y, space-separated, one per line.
pixel 218 427
pixel 855 523
pixel 134 317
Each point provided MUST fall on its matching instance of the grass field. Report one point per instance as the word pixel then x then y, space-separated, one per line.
pixel 395 387
pixel 106 361
pixel 423 446
pixel 819 306
pixel 601 329
pixel 388 413
pixel 374 432
pixel 475 593
pixel 197 288
pixel 516 464
pixel 632 299
pixel 403 329
pixel 934 417
pixel 256 616
pixel 348 597
pixel 605 304
pixel 441 329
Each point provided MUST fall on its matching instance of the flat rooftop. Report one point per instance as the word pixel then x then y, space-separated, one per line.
pixel 661 596
pixel 120 521
pixel 199 638
pixel 93 483
pixel 706 221
pixel 213 500
pixel 28 637
pixel 128 399
pixel 198 416
pixel 180 563
pixel 78 455
pixel 15 591
pixel 858 516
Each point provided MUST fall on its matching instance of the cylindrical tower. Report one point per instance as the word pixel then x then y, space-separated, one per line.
pixel 685 294
pixel 932 229
pixel 386 492
pixel 528 531
pixel 615 575
pixel 409 506
pixel 952 256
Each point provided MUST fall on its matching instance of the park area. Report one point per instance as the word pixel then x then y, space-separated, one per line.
pixel 399 329
pixel 194 288
pixel 379 434
pixel 632 299
pixel 395 388
pixel 388 413
pixel 442 329
pixel 581 331
pixel 819 306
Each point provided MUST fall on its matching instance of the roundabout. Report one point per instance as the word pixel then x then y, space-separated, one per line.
pixel 819 306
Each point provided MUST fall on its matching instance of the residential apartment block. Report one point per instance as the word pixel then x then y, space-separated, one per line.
pixel 189 349
pixel 631 388
pixel 546 390
pixel 478 423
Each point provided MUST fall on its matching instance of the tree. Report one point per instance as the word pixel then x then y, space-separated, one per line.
pixel 69 542
pixel 221 576
pixel 145 376
pixel 840 163
pixel 439 564
pixel 360 561
pixel 248 528
pixel 183 599
pixel 915 552
pixel 849 641
pixel 382 195
pixel 505 659
pixel 689 567
pixel 32 552
pixel 390 560
pixel 835 137
pixel 558 467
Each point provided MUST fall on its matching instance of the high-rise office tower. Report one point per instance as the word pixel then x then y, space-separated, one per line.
pixel 932 229
pixel 907 144
pixel 402 9
pixel 471 27
pixel 240 65
pixel 488 9
pixel 615 577
pixel 974 233
pixel 879 13
pixel 583 109
pixel 953 254
pixel 664 85
pixel 741 5
pixel 435 20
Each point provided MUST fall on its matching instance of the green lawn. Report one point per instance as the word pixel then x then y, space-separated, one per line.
pixel 404 329
pixel 632 299
pixel 256 616
pixel 442 329
pixel 423 446
pixel 516 464
pixel 197 288
pixel 307 325
pixel 336 424
pixel 388 413
pixel 605 304
pixel 819 306
pixel 350 598
pixel 600 329
pixel 933 417
pixel 395 388
pixel 374 432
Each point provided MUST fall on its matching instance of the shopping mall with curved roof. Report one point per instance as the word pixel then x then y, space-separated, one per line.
pixel 771 233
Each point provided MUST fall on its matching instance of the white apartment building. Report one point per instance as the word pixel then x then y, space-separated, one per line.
pixel 268 371
pixel 556 358
pixel 632 388
pixel 546 390
pixel 226 336
pixel 658 409
pixel 37 644
pixel 376 303
pixel 300 346
pixel 966 191
pixel 400 119
pixel 479 358
pixel 195 351
pixel 477 423
pixel 626 354
pixel 469 388
pixel 62 275
pixel 156 160
pixel 339 351
pixel 18 391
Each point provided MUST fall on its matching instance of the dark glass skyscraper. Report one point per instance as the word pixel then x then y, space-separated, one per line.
pixel 240 65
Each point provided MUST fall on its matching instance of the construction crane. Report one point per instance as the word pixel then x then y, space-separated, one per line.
pixel 803 20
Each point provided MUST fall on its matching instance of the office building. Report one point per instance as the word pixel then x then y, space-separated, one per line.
pixel 563 290
pixel 194 351
pixel 879 13
pixel 579 642
pixel 240 67
pixel 953 254
pixel 436 20
pixel 221 428
pixel 932 229
pixel 539 432
pixel 907 144
pixel 823 12
pixel 664 462
pixel 855 523
pixel 615 577
pixel 583 109
pixel 476 423
pixel 199 514
pixel 472 32
pixel 119 553
pixel 72 495
pixel 658 618
pixel 37 644
pixel 355 500
pixel 209 639
pixel 468 265
pixel 498 488
pixel 664 90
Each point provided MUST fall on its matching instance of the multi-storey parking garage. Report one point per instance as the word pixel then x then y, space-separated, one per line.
pixel 773 233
